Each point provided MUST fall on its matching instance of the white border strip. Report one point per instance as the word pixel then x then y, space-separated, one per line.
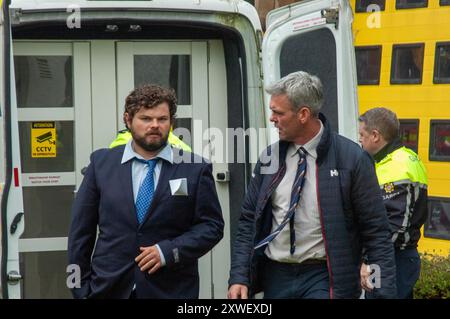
pixel 47 114
pixel 48 179
pixel 184 111
pixel 42 244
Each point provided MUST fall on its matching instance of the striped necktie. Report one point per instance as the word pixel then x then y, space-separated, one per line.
pixel 295 198
pixel 145 194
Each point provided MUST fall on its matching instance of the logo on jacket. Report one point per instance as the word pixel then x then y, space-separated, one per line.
pixel 334 172
pixel 389 187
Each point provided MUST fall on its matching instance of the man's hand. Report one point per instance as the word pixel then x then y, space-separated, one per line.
pixel 365 273
pixel 238 292
pixel 149 259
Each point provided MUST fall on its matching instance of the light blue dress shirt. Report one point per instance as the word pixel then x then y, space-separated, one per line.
pixel 139 171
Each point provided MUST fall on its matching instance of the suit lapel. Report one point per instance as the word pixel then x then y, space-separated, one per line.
pixel 126 179
pixel 167 171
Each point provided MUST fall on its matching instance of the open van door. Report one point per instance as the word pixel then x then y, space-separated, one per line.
pixel 2 129
pixel 315 36
pixel 71 82
pixel 10 184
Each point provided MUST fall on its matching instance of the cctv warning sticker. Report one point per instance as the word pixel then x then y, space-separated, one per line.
pixel 43 139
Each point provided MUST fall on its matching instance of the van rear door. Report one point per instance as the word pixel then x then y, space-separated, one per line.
pixel 315 36
pixel 10 175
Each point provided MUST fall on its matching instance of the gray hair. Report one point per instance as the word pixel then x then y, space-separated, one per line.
pixel 383 120
pixel 302 89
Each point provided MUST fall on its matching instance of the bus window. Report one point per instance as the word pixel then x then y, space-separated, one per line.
pixel 444 2
pixel 368 62
pixel 362 5
pixel 442 63
pixel 409 133
pixel 407 63
pixel 438 222
pixel 440 141
pixel 407 4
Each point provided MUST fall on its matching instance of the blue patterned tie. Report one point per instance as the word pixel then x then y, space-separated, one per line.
pixel 295 198
pixel 145 194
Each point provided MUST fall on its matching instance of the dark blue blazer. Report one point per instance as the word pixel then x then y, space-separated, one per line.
pixel 184 227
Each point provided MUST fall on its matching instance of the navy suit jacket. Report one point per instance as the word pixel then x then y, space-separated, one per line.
pixel 184 227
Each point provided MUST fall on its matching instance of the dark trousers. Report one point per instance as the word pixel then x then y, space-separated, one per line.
pixel 296 281
pixel 407 263
pixel 408 271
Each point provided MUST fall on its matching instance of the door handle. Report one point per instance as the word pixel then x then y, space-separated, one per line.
pixel 14 277
pixel 15 222
pixel 223 177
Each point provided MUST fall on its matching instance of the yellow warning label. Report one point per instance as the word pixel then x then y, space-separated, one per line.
pixel 43 139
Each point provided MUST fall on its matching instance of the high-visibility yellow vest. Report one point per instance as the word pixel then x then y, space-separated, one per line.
pixel 124 136
pixel 400 165
pixel 403 183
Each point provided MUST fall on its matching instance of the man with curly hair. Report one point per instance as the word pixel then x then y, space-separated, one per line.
pixel 156 215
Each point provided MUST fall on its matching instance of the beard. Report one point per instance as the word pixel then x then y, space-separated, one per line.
pixel 150 146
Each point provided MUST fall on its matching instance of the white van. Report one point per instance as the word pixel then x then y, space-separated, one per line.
pixel 67 67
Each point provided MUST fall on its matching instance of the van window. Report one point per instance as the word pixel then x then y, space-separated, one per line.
pixel 440 141
pixel 363 5
pixel 444 2
pixel 409 134
pixel 48 211
pixel 407 64
pixel 315 53
pixel 63 141
pixel 44 274
pixel 407 4
pixel 167 70
pixel 44 81
pixel 438 222
pixel 442 63
pixel 368 63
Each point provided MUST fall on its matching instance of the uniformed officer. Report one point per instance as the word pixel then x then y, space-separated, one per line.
pixel 403 182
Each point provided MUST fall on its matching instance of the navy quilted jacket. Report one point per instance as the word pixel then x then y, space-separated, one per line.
pixel 352 216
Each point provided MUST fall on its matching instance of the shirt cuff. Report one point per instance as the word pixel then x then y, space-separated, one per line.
pixel 161 256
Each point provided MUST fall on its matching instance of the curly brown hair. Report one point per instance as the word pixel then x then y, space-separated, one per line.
pixel 149 96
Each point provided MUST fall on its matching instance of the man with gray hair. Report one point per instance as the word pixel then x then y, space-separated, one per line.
pixel 302 228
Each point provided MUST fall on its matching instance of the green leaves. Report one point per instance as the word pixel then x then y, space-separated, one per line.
pixel 434 280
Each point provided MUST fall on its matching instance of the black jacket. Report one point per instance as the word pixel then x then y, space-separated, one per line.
pixel 351 209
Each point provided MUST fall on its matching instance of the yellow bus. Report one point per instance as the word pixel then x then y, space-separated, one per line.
pixel 403 63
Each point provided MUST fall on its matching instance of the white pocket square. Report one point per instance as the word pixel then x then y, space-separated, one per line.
pixel 178 187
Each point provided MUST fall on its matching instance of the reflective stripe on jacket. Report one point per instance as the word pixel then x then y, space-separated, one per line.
pixel 403 181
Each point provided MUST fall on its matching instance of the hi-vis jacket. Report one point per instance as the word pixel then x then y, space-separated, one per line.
pixel 403 181
pixel 125 135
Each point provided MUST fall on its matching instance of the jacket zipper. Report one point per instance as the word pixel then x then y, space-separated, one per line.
pixel 330 274
pixel 272 185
